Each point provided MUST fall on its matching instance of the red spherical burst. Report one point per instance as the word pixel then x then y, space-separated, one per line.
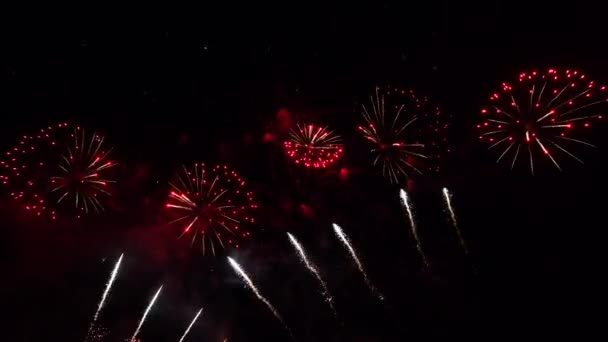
pixel 60 168
pixel 543 112
pixel 405 132
pixel 313 146
pixel 211 205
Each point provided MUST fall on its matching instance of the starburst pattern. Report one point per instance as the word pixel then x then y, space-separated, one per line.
pixel 212 206
pixel 543 113
pixel 59 168
pixel 406 133
pixel 313 146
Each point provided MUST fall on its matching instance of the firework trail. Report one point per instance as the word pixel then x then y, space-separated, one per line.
pixel 191 324
pixel 410 215
pixel 143 318
pixel 311 267
pixel 350 248
pixel 249 283
pixel 448 203
pixel 104 296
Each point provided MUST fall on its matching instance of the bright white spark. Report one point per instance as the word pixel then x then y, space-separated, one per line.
pixel 104 296
pixel 255 290
pixel 410 215
pixel 351 250
pixel 191 324
pixel 311 267
pixel 143 318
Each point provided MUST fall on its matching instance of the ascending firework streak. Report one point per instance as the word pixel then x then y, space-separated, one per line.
pixel 248 281
pixel 448 203
pixel 311 267
pixel 104 296
pixel 143 318
pixel 408 208
pixel 191 324
pixel 350 248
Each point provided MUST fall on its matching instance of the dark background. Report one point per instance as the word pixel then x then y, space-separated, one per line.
pixel 166 95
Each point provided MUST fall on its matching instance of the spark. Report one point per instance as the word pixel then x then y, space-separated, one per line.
pixel 255 290
pixel 104 296
pixel 410 215
pixel 311 267
pixel 143 318
pixel 340 233
pixel 191 324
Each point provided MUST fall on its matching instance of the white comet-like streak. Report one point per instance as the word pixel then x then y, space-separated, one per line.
pixel 191 324
pixel 351 250
pixel 311 267
pixel 235 265
pixel 104 296
pixel 143 318
pixel 410 215
pixel 448 203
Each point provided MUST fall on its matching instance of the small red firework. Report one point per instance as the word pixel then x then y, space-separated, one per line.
pixel 312 146
pixel 405 132
pixel 211 205
pixel 59 169
pixel 543 112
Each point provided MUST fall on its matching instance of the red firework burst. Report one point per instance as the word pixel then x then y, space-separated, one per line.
pixel 313 146
pixel 405 132
pixel 211 205
pixel 543 112
pixel 60 168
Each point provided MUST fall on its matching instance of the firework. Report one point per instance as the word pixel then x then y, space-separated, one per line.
pixel 313 146
pixel 410 214
pixel 191 324
pixel 311 267
pixel 543 113
pixel 60 167
pixel 143 318
pixel 104 296
pixel 255 290
pixel 211 206
pixel 448 203
pixel 396 124
pixel 351 250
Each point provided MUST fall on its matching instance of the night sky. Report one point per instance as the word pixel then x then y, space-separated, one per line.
pixel 166 96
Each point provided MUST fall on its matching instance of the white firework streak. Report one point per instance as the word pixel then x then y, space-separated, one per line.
pixel 351 250
pixel 311 267
pixel 410 215
pixel 104 296
pixel 448 202
pixel 191 324
pixel 255 290
pixel 143 318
